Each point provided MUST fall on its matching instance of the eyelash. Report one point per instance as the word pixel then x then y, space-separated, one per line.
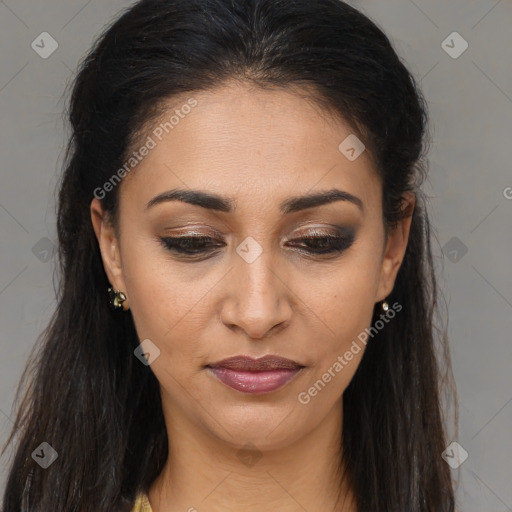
pixel 185 245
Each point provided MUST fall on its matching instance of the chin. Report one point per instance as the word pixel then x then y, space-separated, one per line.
pixel 265 429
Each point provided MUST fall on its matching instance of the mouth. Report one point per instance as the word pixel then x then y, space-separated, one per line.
pixel 255 376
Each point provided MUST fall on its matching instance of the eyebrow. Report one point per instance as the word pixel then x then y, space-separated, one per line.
pixel 228 205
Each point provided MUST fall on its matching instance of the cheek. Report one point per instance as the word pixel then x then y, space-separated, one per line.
pixel 343 301
pixel 346 311
pixel 169 304
pixel 343 294
pixel 156 300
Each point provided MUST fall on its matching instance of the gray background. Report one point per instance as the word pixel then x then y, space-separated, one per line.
pixel 470 100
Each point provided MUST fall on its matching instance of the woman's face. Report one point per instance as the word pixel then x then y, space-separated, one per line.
pixel 255 290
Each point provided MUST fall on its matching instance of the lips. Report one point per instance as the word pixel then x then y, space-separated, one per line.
pixel 249 375
pixel 248 364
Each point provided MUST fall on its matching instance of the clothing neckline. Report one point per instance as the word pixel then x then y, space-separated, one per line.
pixel 146 506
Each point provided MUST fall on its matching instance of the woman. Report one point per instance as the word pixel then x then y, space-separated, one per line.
pixel 245 315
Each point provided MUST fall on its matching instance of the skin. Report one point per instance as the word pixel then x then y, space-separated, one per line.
pixel 261 149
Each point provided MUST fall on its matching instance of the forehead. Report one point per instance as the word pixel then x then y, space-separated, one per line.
pixel 256 145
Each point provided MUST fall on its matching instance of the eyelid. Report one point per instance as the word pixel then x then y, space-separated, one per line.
pixel 316 233
pixel 196 232
pixel 340 243
pixel 323 230
pixel 304 229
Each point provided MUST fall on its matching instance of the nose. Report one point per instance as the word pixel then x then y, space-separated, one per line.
pixel 259 298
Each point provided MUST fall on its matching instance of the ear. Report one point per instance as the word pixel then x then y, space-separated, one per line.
pixel 395 249
pixel 109 247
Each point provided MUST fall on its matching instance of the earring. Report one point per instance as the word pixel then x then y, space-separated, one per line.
pixel 385 306
pixel 116 299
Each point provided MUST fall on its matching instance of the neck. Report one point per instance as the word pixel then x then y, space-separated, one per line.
pixel 203 472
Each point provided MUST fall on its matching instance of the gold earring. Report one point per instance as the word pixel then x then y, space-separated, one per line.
pixel 385 306
pixel 116 299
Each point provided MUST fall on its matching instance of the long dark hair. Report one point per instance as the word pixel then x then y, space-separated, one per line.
pixel 88 396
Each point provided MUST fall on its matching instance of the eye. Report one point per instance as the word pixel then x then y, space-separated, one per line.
pixel 314 245
pixel 189 245
pixel 326 244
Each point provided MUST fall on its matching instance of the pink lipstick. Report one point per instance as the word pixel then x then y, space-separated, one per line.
pixel 255 376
